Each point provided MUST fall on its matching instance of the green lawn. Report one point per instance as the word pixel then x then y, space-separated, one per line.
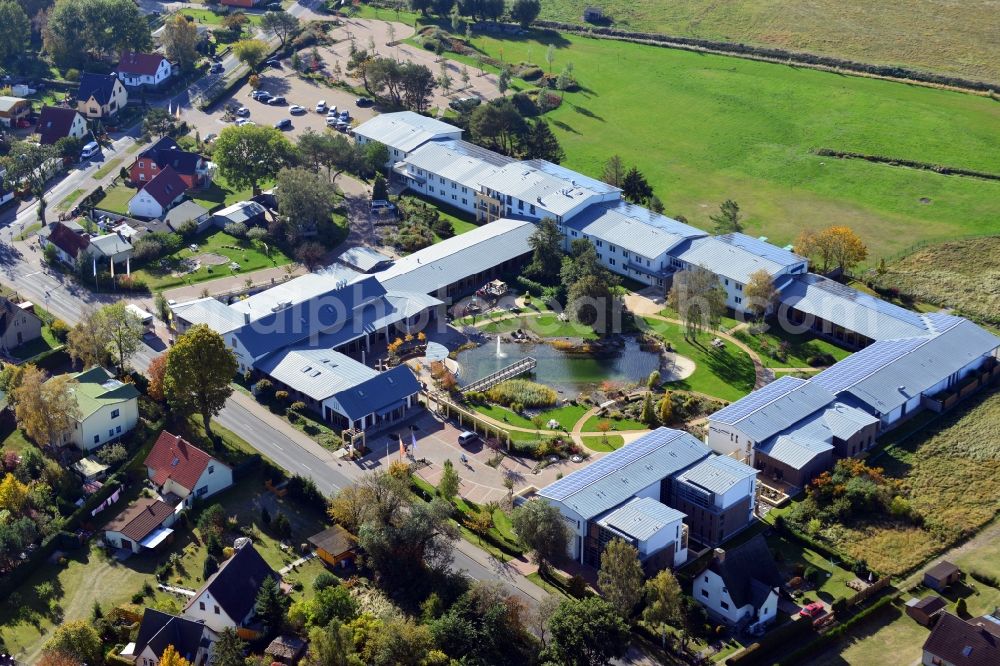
pixel 725 322
pixel 208 17
pixel 704 128
pixel 28 231
pixel 545 325
pixel 567 415
pixel 108 168
pixel 249 257
pixel 800 346
pixel 616 424
pixel 70 199
pixel 221 194
pixel 726 373
pixel 116 198
pixel 16 441
pixel 603 443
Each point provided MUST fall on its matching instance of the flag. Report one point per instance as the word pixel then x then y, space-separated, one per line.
pixel 402 447
pixel 413 444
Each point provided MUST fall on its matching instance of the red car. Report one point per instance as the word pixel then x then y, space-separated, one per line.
pixel 814 609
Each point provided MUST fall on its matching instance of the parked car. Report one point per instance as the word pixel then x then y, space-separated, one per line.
pixel 814 609
pixel 243 112
pixel 331 121
pixel 321 106
pixel 296 110
pixel 345 115
pixel 467 438
pixel 211 137
pixel 264 98
pixel 216 68
pixel 274 7
pixel 331 110
pixel 277 101
pixel 364 101
pixel 464 103
pixel 90 150
pixel 283 124
pixel 257 94
pixel 341 126
pixel 273 62
pixel 382 204
pixel 240 122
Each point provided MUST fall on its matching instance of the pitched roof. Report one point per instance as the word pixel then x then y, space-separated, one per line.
pixel 641 518
pixel 460 161
pixel 158 630
pixel 54 123
pixel 773 407
pixel 139 520
pixel 67 240
pixel 334 540
pixel 167 152
pixel 552 188
pixel 9 311
pixel 749 572
pixel 173 457
pixel 235 585
pixel 380 394
pixel 717 474
pixel 364 258
pixel 183 212
pixel 241 211
pixel 7 103
pixel 929 604
pixel 98 86
pixel 736 256
pixel 146 64
pixel 962 643
pixel 96 388
pixel 286 647
pixel 618 476
pixel 801 442
pixel 165 187
pixel 632 228
pixel 942 569
pixel 404 130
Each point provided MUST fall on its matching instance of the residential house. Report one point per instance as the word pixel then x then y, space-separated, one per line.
pixel 110 249
pixel 740 586
pixel 18 324
pixel 334 545
pixel 13 110
pixel 100 95
pixel 109 409
pixel 68 241
pixel 402 132
pixel 249 213
pixel 942 575
pixel 926 611
pixel 227 598
pixel 286 650
pixel 182 472
pixel 158 630
pixel 955 642
pixel 57 122
pixel 187 211
pixel 589 499
pixel 143 69
pixel 141 526
pixel 158 195
pixel 192 168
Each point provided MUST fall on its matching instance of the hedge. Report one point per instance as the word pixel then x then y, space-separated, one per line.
pixel 913 164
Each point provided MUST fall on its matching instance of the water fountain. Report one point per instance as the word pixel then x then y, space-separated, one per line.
pixel 500 352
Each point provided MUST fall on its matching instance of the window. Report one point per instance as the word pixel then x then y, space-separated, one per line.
pixel 118 430
pixel 114 413
pixel 454 186
pixel 441 179
pixel 465 190
pixel 97 438
pixel 738 299
pixel 599 256
pixel 201 605
pixel 612 248
pixel 726 281
pixel 216 610
pixel 739 287
pixel 704 593
pixel 211 469
pixel 625 253
pixel 141 165
pixel 611 261
pixel 532 208
pixel 111 432
pixel 573 232
pixel 706 579
pixel 202 491
pixel 464 201
pixel 724 605
pixel 599 243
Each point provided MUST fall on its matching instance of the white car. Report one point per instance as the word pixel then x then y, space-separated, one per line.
pixel 296 110
pixel 244 121
pixel 332 111
pixel 321 106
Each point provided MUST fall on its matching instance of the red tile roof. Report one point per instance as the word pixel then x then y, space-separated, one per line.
pixel 174 457
pixel 140 63
pixel 68 240
pixel 139 520
pixel 166 186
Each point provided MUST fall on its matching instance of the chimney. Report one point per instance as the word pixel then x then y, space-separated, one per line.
pixel 246 317
pixel 719 555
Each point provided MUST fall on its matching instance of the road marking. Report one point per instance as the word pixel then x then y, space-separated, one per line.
pixel 308 467
pixel 279 448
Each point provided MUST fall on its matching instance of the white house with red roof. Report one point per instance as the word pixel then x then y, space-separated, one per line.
pixel 179 468
pixel 143 69
pixel 158 196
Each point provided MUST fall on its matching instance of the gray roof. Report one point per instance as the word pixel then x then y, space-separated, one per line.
pixel 717 474
pixel 110 245
pixel 632 228
pixel 241 211
pixel 184 212
pixel 773 407
pixel 460 161
pixel 794 451
pixel 888 373
pixel 378 395
pixel 749 572
pixel 295 291
pixel 558 191
pixel 363 258
pixel 854 310
pixel 641 518
pixel 219 317
pixel 615 478
pixel 458 257
pixel 318 373
pixel 404 130
pixel 736 256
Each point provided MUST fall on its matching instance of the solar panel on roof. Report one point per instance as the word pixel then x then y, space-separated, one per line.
pixel 757 399
pixel 863 363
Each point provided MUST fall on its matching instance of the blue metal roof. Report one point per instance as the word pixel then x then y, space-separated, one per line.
pixel 736 256
pixel 632 227
pixel 378 394
pixel 641 518
pixel 717 474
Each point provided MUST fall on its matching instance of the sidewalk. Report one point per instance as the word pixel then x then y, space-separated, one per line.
pixel 268 276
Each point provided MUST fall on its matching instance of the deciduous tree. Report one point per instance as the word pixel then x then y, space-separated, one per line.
pixel 620 576
pixel 46 409
pixel 586 632
pixel 170 657
pixel 665 410
pixel 123 330
pixel 250 154
pixel 156 372
pixel 280 24
pixel 305 201
pixel 15 29
pixel 77 639
pixel 310 254
pixel 546 248
pixel 98 28
pixel 31 164
pixel 251 52
pixel 87 342
pixel 729 219
pixel 698 298
pixel 664 603
pixel 180 41
pixel 836 247
pixel 13 494
pixel 759 294
pixel 525 11
pixel 614 171
pixel 448 485
pixel 540 527
pixel 200 368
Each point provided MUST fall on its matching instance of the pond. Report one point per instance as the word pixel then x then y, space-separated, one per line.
pixel 570 374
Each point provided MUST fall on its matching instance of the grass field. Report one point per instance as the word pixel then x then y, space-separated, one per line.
pixel 208 17
pixel 704 128
pixel 567 415
pixel 800 347
pixel 952 470
pixel 964 275
pixel 601 443
pixel 932 35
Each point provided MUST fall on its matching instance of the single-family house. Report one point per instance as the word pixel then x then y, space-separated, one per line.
pixel 58 122
pixel 100 95
pixel 286 650
pixel 334 545
pixel 109 409
pixel 143 525
pixel 67 241
pixel 249 213
pixel 942 575
pixel 158 630
pixel 179 468
pixel 13 110
pixel 137 69
pixel 955 642
pixel 18 324
pixel 925 611
pixel 740 586
pixel 193 169
pixel 158 195
pixel 187 211
pixel 227 598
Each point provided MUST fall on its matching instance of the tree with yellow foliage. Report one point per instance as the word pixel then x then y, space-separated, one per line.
pixel 13 494
pixel 171 658
pixel 836 247
pixel 46 409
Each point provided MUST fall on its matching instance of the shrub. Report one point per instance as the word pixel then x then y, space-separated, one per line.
pixel 324 580
pixel 281 396
pixel 820 360
pixel 72 74
pixel 262 389
pixel 531 73
pixel 138 598
pixel 60 330
pixel 298 406
pixel 523 393
pixel 236 229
